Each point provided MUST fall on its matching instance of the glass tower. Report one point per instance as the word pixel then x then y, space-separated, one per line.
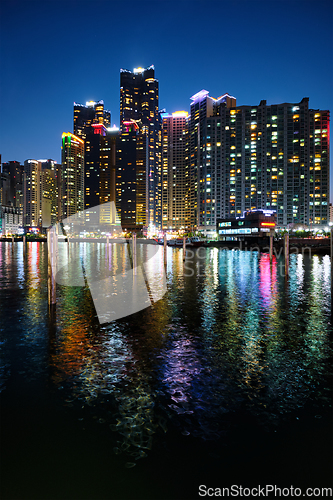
pixel 139 105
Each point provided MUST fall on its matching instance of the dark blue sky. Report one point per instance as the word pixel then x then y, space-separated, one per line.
pixel 53 53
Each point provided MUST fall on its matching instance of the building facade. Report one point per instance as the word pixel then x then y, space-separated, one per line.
pixel 31 194
pixel 90 124
pixel 139 104
pixel 15 192
pixel 107 178
pixel 10 221
pixel 40 207
pixel 176 181
pixel 253 225
pixel 86 115
pixel 259 157
pixel 72 175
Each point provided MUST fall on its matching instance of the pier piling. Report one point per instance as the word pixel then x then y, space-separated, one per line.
pixel 271 245
pixel 286 254
pixel 331 244
pixel 165 248
pixel 134 253
pixel 184 248
pixel 51 267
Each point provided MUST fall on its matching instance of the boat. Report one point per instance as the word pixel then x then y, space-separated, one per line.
pixel 193 242
pixel 175 242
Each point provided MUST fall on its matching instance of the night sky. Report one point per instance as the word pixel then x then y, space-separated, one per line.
pixel 56 52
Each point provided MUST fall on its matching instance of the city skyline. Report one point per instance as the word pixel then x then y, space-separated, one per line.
pixel 277 52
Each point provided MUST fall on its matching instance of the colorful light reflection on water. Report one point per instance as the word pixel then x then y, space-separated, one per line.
pixel 231 335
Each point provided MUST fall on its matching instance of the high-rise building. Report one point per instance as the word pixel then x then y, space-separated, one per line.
pixel 49 171
pixel 139 104
pixel 31 194
pixel 126 176
pixel 107 177
pixel 176 181
pixel 85 115
pixel 207 178
pixel 15 194
pixel 5 198
pixel 40 193
pixel 90 123
pixel 72 175
pixel 259 157
pixel 10 221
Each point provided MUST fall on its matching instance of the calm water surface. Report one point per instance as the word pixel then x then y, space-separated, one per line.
pixel 225 380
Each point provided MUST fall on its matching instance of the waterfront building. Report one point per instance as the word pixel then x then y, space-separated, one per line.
pixel 31 194
pixel 330 214
pixel 139 105
pixel 48 192
pixel 272 157
pixel 253 224
pixel 72 175
pixel 5 189
pixel 10 221
pixel 15 189
pixel 90 124
pixel 131 176
pixel 107 178
pixel 176 181
pixel 40 208
pixel 205 159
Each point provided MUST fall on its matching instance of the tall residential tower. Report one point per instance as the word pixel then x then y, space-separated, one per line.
pixel 272 157
pixel 72 174
pixel 176 181
pixel 139 105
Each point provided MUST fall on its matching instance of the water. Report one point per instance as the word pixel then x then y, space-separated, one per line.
pixel 225 380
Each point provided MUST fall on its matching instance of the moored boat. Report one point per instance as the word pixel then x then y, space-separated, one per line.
pixel 194 241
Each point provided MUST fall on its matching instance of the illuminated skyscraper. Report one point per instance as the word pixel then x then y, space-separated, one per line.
pixel 49 170
pixel 259 157
pixel 176 181
pixel 107 177
pixel 31 194
pixel 139 104
pixel 15 194
pixel 90 123
pixel 86 115
pixel 40 193
pixel 72 174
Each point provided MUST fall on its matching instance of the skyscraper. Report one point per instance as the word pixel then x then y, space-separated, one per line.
pixel 15 171
pixel 72 174
pixel 176 182
pixel 90 123
pixel 207 178
pixel 139 104
pixel 85 115
pixel 40 193
pixel 259 157
pixel 107 177
pixel 49 170
pixel 31 193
